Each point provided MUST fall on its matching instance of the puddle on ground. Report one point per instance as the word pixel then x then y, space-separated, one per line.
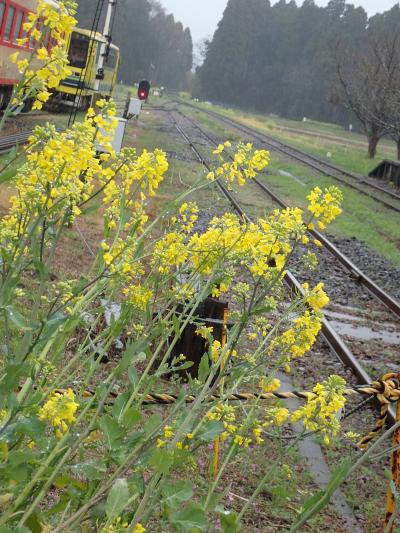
pixel 366 333
pixel 374 324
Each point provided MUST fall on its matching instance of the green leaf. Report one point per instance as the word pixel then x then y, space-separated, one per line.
pixel 112 431
pixel 161 461
pixel 211 430
pixel 3 450
pixel 32 427
pixel 52 326
pixel 176 324
pixel 184 366
pixel 134 352
pixel 119 404
pixel 19 320
pixel 117 499
pixel 191 518
pixel 34 524
pixel 13 373
pixel 204 368
pixel 229 523
pixel 131 418
pixel 152 424
pixel 178 493
pixel 42 270
pixel 93 469
pixel 19 473
pixel 23 456
pixel 133 376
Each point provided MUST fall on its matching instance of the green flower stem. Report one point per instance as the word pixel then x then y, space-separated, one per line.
pixel 354 468
pixel 266 477
pixel 215 483
pixel 69 452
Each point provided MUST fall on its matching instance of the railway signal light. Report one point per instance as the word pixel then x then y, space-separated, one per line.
pixel 143 90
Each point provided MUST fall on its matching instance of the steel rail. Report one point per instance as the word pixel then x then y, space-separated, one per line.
pixel 314 162
pixel 8 142
pixel 334 340
pixel 356 273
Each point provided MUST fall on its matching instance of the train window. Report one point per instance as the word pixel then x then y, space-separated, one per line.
pixel 78 50
pixel 8 28
pixel 18 24
pixel 2 8
pixel 112 59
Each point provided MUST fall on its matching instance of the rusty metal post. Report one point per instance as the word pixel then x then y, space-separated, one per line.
pixel 395 468
pixel 217 441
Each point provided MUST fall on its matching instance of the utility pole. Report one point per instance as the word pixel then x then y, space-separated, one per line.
pixel 104 46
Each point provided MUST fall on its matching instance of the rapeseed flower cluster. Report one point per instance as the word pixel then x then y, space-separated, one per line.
pixel 168 433
pixel 276 416
pixel 294 342
pixel 324 205
pixel 118 525
pixel 59 176
pixel 263 246
pixel 245 164
pixel 121 525
pixel 59 411
pixel 323 407
pixel 316 298
pixel 46 68
pixel 270 384
pixel 298 339
pixel 188 214
pixel 3 415
pixel 139 176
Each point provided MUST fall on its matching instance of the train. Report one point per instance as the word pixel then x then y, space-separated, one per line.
pixel 87 82
pixel 84 47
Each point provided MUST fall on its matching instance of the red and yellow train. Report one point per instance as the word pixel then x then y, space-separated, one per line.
pixel 83 52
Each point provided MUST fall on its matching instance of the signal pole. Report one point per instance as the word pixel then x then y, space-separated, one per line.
pixel 104 46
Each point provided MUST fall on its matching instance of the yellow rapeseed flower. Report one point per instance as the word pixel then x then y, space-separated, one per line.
pixel 60 411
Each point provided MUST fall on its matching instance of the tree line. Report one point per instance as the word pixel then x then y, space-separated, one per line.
pixel 328 63
pixel 153 45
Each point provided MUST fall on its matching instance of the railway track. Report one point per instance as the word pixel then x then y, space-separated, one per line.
pixel 356 273
pixel 350 179
pixel 336 343
pixel 8 142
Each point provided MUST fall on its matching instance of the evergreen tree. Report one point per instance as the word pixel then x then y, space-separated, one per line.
pixel 152 44
pixel 280 58
pixel 226 73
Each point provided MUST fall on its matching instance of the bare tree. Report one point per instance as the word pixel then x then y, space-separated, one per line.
pixel 387 54
pixel 366 87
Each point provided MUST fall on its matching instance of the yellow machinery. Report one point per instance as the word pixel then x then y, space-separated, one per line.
pixel 87 82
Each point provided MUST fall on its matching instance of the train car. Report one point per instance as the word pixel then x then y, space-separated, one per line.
pixel 86 82
pixel 13 14
pixel 83 53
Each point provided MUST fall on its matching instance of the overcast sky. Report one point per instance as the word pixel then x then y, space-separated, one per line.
pixel 202 16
